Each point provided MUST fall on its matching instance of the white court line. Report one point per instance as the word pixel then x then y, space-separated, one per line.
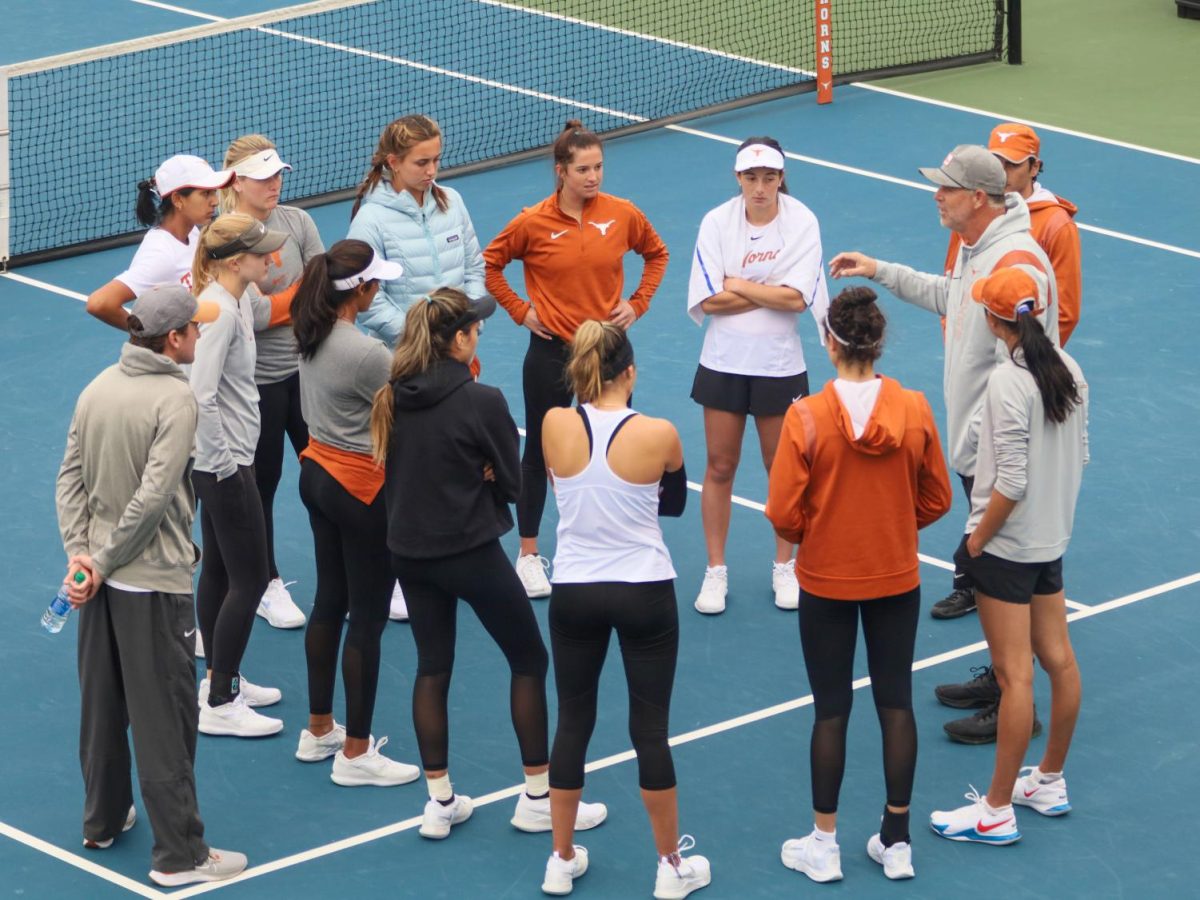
pixel 79 862
pixel 632 117
pixel 45 286
pixel 685 738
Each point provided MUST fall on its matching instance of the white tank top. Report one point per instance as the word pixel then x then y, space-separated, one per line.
pixel 607 527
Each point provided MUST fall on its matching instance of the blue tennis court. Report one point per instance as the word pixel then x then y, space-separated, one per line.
pixel 741 713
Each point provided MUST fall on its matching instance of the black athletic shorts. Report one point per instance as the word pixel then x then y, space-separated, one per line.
pixel 755 395
pixel 1004 579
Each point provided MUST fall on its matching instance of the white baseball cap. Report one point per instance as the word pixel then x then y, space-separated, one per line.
pixel 183 171
pixel 758 156
pixel 262 164
pixel 378 269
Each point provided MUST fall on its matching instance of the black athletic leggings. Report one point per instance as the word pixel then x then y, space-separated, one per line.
pixel 279 411
pixel 646 619
pixel 353 575
pixel 543 380
pixel 962 581
pixel 485 579
pixel 828 634
pixel 233 567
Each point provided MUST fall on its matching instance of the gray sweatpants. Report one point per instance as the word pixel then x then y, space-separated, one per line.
pixel 136 669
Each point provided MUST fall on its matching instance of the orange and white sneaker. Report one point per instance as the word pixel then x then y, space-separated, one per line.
pixel 1044 793
pixel 977 822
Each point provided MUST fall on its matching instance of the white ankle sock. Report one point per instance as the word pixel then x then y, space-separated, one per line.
pixel 825 836
pixel 1048 777
pixel 537 785
pixel 439 788
pixel 716 570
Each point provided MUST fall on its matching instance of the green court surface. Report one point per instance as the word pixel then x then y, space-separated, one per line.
pixel 1127 70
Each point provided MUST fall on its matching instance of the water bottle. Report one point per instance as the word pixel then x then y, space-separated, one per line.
pixel 55 616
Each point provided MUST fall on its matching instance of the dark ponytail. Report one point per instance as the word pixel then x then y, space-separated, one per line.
pixel 573 137
pixel 774 145
pixel 316 304
pixel 1054 380
pixel 152 210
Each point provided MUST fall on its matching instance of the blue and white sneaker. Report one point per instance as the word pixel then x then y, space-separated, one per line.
pixel 1045 794
pixel 976 822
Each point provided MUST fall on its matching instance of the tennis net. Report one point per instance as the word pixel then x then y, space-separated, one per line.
pixel 77 132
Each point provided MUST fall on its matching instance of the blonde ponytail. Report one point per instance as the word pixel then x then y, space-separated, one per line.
pixel 216 233
pixel 594 344
pixel 427 338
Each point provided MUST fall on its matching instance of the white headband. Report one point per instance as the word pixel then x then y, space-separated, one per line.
pixel 758 156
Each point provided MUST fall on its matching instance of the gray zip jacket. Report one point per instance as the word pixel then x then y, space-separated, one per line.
pixel 1031 460
pixel 124 491
pixel 972 351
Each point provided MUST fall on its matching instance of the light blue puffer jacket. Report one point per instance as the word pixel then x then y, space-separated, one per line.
pixel 437 249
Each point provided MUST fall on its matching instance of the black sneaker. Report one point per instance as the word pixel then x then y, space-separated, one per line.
pixel 981 727
pixel 980 691
pixel 958 602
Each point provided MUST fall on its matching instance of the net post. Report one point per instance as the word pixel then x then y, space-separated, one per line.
pixel 5 170
pixel 1014 32
pixel 823 19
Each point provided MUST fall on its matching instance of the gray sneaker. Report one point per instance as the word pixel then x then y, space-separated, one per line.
pixel 221 864
pixel 981 727
pixel 957 603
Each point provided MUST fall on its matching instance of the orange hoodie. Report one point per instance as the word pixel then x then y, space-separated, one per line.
pixel 854 504
pixel 574 271
pixel 1053 227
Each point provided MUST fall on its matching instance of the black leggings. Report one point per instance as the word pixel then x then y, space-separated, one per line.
pixel 233 568
pixel 543 380
pixel 646 619
pixel 349 540
pixel 279 411
pixel 828 634
pixel 485 579
pixel 963 581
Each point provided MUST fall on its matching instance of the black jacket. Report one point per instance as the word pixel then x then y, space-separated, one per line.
pixel 446 427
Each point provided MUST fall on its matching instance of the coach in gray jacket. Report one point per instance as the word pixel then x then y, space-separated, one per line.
pixel 125 510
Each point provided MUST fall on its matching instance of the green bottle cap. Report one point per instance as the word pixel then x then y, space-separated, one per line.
pixel 80 577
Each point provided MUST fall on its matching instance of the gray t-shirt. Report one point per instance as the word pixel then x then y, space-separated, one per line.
pixel 338 385
pixel 277 346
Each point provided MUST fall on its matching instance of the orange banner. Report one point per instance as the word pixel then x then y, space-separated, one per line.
pixel 824 21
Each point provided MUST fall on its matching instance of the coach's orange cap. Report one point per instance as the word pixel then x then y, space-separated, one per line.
pixel 1007 293
pixel 1013 142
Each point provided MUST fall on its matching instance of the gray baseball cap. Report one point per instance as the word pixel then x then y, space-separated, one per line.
pixel 166 308
pixel 971 167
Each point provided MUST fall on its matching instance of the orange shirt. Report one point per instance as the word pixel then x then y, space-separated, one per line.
pixel 1052 224
pixel 854 504
pixel 574 270
pixel 356 472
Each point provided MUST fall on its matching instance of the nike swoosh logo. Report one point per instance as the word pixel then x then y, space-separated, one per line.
pixel 555 235
pixel 984 829
pixel 189 633
pixel 755 237
pixel 1029 794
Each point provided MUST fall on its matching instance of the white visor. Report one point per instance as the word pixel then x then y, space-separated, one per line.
pixel 261 165
pixel 758 156
pixel 377 270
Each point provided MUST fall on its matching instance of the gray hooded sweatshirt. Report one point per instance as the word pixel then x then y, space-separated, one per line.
pixel 972 351
pixel 124 491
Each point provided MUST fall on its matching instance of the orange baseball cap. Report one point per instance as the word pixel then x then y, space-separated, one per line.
pixel 1013 142
pixel 1007 293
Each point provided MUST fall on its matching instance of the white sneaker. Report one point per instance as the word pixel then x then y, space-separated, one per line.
pixel 819 860
pixel 975 822
pixel 711 599
pixel 398 611
pixel 255 695
pixel 534 815
pixel 896 859
pixel 436 822
pixel 561 873
pixel 678 875
pixel 277 606
pixel 236 719
pixel 221 864
pixel 785 586
pixel 199 652
pixel 371 767
pixel 532 569
pixel 130 821
pixel 315 749
pixel 1047 797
